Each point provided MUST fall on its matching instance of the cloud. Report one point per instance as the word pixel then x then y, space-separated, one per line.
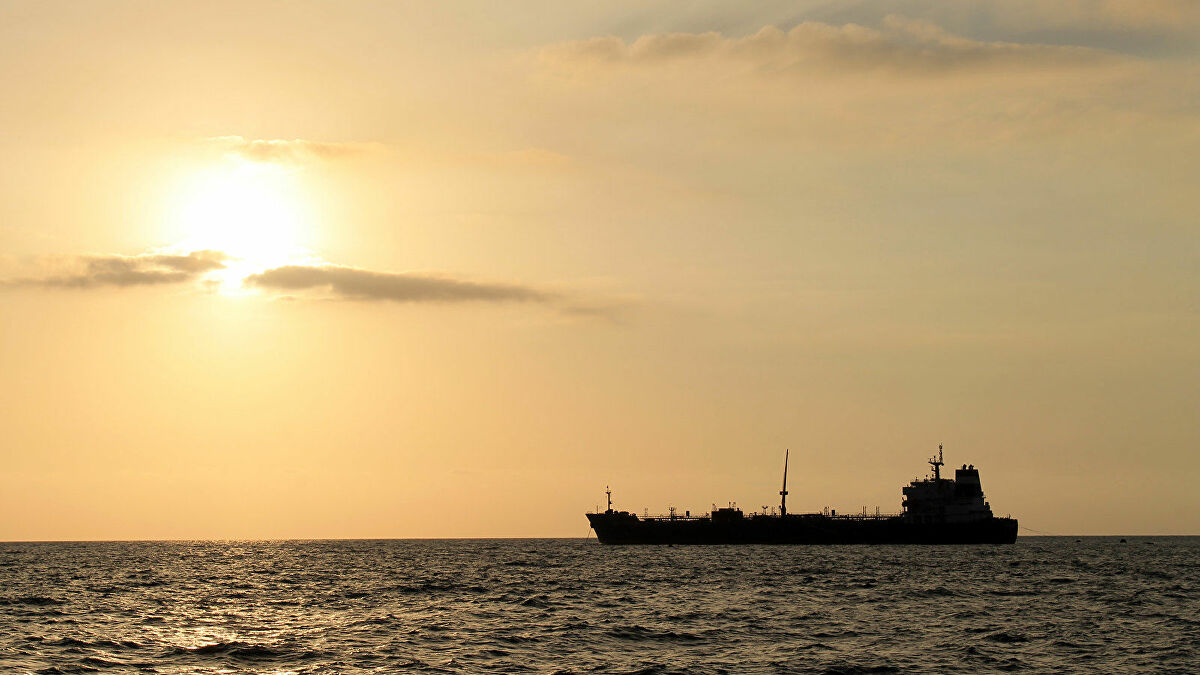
pixel 125 271
pixel 282 151
pixel 358 284
pixel 900 45
pixel 294 282
pixel 1117 14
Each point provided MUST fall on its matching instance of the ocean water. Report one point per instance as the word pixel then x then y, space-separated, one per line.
pixel 1050 604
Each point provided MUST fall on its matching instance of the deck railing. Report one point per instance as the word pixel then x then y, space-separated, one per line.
pixel 708 516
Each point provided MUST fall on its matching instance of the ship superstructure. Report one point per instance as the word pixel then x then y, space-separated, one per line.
pixel 935 510
pixel 941 500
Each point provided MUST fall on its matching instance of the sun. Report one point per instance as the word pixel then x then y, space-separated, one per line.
pixel 253 212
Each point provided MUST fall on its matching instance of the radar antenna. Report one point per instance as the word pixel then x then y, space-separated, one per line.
pixel 936 463
pixel 784 492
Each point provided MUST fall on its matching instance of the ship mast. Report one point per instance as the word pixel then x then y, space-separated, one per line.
pixel 784 492
pixel 608 492
pixel 937 463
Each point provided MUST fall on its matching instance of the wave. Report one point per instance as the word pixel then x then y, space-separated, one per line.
pixel 937 592
pixel 235 649
pixel 638 633
pixel 36 600
pixel 103 663
pixel 111 645
pixel 537 601
pixel 1006 637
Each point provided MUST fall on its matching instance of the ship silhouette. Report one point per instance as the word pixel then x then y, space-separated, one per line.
pixel 936 510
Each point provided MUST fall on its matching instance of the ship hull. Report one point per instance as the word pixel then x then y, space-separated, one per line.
pixel 626 528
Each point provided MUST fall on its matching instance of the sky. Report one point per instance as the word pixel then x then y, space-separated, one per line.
pixel 410 269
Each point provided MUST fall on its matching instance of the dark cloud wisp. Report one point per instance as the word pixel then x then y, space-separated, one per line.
pixel 125 271
pixel 357 284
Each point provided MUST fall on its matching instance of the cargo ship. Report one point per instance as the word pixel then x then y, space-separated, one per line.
pixel 935 510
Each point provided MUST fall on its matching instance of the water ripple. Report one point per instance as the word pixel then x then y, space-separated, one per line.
pixel 565 606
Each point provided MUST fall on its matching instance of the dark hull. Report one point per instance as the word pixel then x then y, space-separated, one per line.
pixel 626 528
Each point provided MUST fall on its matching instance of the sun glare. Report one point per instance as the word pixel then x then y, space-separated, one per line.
pixel 253 212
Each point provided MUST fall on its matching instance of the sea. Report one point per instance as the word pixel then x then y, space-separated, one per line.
pixel 1044 604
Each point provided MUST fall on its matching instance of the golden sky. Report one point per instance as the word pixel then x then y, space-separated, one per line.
pixel 301 269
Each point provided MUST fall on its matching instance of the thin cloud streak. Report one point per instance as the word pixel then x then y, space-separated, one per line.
pixel 1127 15
pixel 358 284
pixel 285 151
pixel 900 45
pixel 126 271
